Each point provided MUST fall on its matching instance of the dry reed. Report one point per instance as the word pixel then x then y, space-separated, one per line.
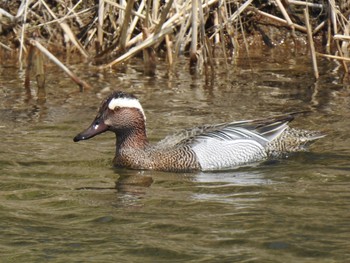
pixel 107 32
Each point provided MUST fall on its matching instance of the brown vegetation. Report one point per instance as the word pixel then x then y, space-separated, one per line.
pixel 108 32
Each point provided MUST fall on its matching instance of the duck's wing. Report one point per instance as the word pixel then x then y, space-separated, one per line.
pixel 184 136
pixel 237 143
pixel 268 129
pixel 262 131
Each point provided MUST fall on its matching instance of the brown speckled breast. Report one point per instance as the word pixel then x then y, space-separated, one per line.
pixel 179 159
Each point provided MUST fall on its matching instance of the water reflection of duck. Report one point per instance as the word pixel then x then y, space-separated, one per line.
pixel 208 147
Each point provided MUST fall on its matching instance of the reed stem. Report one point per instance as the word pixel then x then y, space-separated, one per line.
pixel 82 84
pixel 311 43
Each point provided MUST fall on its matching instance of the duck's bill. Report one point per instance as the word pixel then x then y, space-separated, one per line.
pixel 97 127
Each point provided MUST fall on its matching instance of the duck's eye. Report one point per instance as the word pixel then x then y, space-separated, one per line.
pixel 116 108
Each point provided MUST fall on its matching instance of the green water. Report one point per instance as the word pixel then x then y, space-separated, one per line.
pixel 63 202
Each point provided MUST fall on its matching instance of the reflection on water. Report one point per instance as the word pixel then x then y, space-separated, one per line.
pixel 61 201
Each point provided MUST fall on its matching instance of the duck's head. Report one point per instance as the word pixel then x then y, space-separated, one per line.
pixel 119 112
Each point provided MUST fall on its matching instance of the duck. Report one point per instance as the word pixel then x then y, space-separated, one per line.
pixel 204 148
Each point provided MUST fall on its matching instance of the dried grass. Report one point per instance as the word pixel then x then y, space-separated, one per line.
pixel 107 32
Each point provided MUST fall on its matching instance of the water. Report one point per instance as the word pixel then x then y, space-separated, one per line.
pixel 62 201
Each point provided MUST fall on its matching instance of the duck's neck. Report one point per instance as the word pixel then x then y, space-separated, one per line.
pixel 135 138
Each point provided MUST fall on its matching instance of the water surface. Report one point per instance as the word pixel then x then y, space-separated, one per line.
pixel 63 201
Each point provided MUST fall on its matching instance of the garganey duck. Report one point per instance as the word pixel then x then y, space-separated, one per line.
pixel 205 148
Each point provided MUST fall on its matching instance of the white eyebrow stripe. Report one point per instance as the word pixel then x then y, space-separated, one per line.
pixel 126 103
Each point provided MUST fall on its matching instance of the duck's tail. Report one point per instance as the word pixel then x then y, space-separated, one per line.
pixel 293 140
